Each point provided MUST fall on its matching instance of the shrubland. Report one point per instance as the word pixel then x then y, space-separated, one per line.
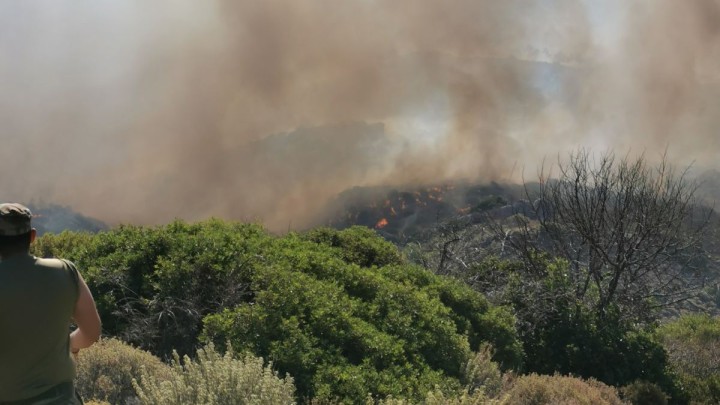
pixel 340 317
pixel 601 249
pixel 214 378
pixel 562 334
pixel 557 305
pixel 339 311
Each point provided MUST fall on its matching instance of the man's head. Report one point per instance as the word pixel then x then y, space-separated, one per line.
pixel 16 232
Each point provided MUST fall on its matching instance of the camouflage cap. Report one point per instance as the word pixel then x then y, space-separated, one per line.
pixel 14 219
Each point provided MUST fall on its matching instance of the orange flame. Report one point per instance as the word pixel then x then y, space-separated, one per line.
pixel 381 224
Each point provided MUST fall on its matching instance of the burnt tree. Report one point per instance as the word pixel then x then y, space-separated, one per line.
pixel 631 232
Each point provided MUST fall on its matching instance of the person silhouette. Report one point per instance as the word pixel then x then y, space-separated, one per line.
pixel 39 299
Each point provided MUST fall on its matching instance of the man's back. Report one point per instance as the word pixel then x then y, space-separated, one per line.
pixel 37 300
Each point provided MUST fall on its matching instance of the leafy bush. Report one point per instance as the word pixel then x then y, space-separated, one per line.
pixel 644 393
pixel 693 346
pixel 357 244
pixel 342 330
pixel 564 334
pixel 215 379
pixel 338 310
pixel 482 374
pixel 57 245
pixel 536 389
pixel 105 371
pixel 153 286
pixel 693 343
pixel 336 346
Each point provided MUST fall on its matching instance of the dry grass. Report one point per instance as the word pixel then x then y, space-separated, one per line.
pixel 536 389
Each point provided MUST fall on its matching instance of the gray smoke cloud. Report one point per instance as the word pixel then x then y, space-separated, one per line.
pixel 143 112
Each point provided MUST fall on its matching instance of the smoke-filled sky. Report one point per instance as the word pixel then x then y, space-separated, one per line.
pixel 141 112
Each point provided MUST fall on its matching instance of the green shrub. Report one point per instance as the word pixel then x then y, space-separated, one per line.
pixel 482 374
pixel 563 334
pixel 57 245
pixel 401 343
pixel 357 244
pixel 342 330
pixel 644 393
pixel 480 321
pixel 700 391
pixel 105 371
pixel 153 285
pixel 536 389
pixel 693 346
pixel 215 379
pixel 338 310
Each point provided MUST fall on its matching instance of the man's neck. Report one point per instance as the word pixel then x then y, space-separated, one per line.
pixel 14 254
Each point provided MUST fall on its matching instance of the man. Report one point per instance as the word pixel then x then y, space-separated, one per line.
pixel 38 300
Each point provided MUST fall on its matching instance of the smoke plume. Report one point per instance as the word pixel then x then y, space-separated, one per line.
pixel 143 112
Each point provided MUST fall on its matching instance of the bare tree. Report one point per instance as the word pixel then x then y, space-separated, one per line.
pixel 452 248
pixel 631 231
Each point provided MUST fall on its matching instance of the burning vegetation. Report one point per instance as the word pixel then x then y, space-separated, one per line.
pixel 398 213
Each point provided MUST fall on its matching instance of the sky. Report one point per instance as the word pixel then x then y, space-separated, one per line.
pixel 142 112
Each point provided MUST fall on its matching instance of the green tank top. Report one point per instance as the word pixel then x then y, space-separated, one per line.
pixel 37 300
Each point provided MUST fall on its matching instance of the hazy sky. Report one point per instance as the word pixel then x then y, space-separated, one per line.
pixel 141 112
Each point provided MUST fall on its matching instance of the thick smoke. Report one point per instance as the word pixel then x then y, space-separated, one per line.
pixel 262 110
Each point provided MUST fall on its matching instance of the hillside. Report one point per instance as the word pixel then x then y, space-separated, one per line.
pixel 448 227
pixel 409 214
pixel 53 218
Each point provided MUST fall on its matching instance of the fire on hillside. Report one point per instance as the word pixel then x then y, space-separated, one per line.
pixel 400 213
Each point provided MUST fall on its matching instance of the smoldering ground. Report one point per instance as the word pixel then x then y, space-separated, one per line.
pixel 146 111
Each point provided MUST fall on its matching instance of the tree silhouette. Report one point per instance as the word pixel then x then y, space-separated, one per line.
pixel 631 231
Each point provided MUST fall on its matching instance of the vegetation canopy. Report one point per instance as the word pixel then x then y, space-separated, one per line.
pixel 339 311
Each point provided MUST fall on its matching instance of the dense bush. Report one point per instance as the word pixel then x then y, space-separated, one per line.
pixel 105 370
pixel 564 334
pixel 153 286
pixel 693 346
pixel 343 330
pixel 215 379
pixel 51 245
pixel 357 244
pixel 338 310
pixel 644 393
